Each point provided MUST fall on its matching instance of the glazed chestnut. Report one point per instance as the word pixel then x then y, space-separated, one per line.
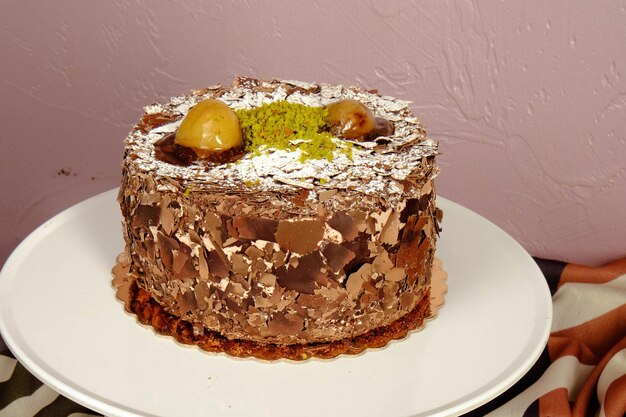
pixel 210 126
pixel 350 119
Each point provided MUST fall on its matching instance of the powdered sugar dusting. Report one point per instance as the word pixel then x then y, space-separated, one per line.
pixel 375 167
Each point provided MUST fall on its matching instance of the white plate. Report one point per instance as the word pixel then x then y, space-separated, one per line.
pixel 60 317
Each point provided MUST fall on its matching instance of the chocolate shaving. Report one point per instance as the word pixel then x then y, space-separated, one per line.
pixel 146 216
pixel 424 201
pixel 255 228
pixel 326 195
pixel 354 284
pixel 412 207
pixel 337 256
pixel 167 220
pixel 238 264
pixel 360 248
pixel 311 300
pixel 253 252
pixel 151 121
pixel 382 263
pixel 289 324
pixel 395 274
pixel 344 224
pixel 299 199
pixel 217 266
pixel 167 246
pixel 391 229
pixel 187 302
pixel 180 257
pixel 360 220
pixel 409 245
pixel 202 293
pixel 407 300
pixel 299 236
pixel 269 280
pixel 423 257
pixel 303 277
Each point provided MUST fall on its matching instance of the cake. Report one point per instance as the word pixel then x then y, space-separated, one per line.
pixel 317 244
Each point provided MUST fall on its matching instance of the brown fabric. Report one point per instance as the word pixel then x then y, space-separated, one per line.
pixel 615 400
pixel 590 274
pixel 587 400
pixel 598 335
pixel 559 346
pixel 554 403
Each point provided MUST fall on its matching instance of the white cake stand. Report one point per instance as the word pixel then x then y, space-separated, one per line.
pixel 60 317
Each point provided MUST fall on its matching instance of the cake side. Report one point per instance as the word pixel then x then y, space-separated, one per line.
pixel 151 313
pixel 273 250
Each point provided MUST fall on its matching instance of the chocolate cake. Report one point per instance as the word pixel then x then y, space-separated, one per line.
pixel 320 244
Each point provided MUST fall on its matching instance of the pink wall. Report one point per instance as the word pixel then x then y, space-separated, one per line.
pixel 528 99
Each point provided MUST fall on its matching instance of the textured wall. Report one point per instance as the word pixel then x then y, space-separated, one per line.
pixel 528 99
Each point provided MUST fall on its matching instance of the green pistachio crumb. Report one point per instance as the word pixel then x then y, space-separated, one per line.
pixel 290 126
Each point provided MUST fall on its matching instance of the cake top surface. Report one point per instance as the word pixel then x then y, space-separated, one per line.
pixel 371 167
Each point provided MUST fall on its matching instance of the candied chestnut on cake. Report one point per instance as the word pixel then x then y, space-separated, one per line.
pixel 350 119
pixel 280 219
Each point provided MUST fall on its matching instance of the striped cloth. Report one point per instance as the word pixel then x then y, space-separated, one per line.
pixel 23 395
pixel 582 371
